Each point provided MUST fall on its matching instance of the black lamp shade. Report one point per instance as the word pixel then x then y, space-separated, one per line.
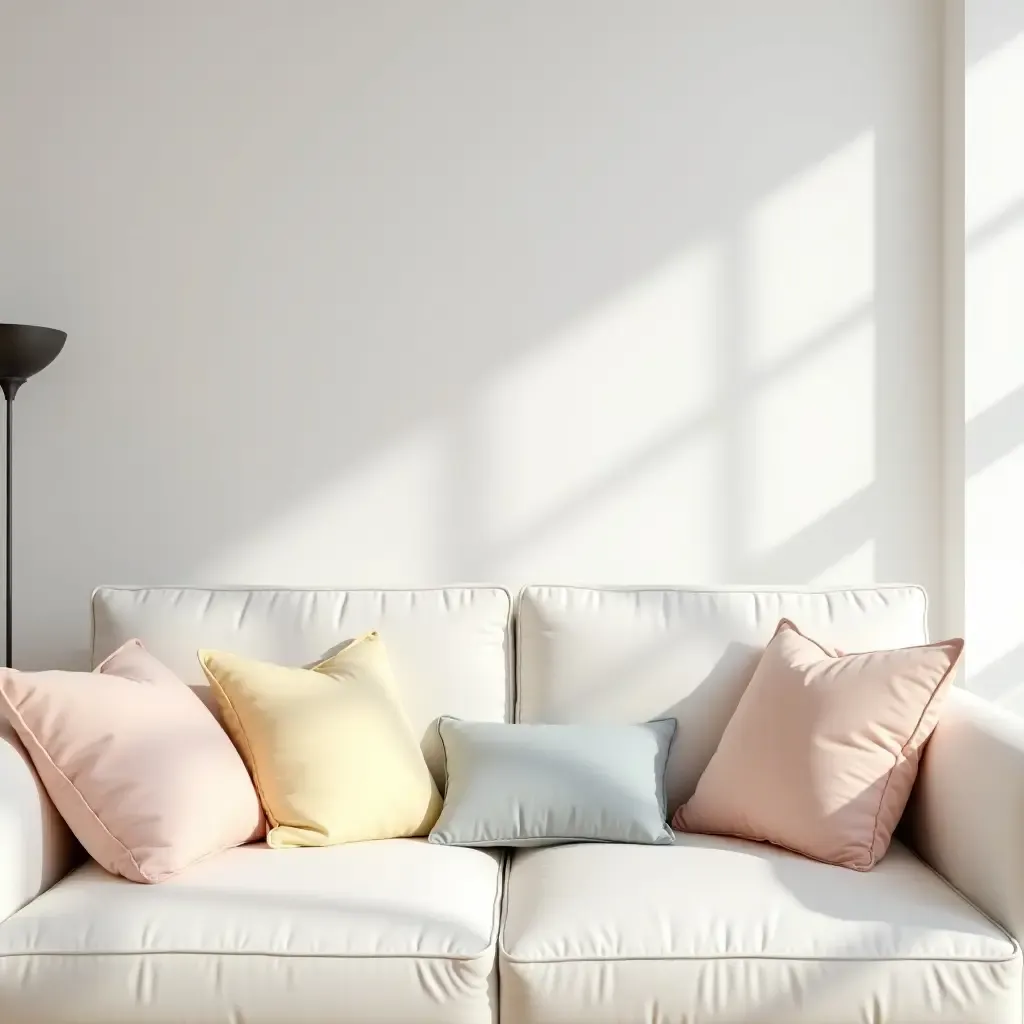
pixel 25 350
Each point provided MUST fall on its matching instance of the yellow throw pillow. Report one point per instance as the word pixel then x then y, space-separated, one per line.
pixel 329 748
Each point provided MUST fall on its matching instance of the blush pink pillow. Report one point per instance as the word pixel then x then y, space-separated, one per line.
pixel 822 751
pixel 139 768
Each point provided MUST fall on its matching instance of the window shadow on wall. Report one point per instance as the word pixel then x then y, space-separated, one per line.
pixel 446 294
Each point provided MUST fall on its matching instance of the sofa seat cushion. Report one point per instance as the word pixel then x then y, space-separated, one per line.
pixel 715 928
pixel 368 932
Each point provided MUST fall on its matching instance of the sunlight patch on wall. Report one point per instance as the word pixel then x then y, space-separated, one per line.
pixel 809 421
pixel 995 611
pixel 598 439
pixel 994 154
pixel 856 567
pixel 810 250
pixel 655 526
pixel 994 315
pixel 994 200
pixel 812 435
pixel 377 525
pixel 994 364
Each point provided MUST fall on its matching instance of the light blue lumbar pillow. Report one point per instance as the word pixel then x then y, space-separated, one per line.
pixel 537 785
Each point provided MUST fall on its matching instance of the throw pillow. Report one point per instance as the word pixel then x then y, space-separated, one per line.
pixel 537 785
pixel 330 749
pixel 139 768
pixel 822 751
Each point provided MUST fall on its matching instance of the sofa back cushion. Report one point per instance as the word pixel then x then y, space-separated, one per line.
pixel 616 655
pixel 449 648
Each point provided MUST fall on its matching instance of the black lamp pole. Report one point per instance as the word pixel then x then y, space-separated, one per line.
pixel 24 351
pixel 10 390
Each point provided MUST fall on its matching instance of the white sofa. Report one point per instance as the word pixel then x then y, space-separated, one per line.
pixel 709 929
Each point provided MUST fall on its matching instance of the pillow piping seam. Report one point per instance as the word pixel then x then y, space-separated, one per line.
pixel 872 859
pixel 666 836
pixel 215 683
pixel 78 793
pixel 444 795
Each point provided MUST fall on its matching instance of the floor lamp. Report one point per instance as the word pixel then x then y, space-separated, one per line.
pixel 24 351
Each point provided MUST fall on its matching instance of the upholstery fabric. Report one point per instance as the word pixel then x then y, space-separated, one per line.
pixel 822 752
pixel 139 769
pixel 589 654
pixel 966 812
pixel 449 647
pixel 330 750
pixel 721 929
pixel 708 929
pixel 369 933
pixel 533 785
pixel 37 846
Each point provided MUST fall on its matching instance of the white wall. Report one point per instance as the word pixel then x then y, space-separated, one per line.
pixel 401 293
pixel 992 416
pixel 953 439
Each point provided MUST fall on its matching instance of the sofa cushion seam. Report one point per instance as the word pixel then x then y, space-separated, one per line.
pixel 503 953
pixel 995 924
pixel 455 957
pixel 757 956
pixel 487 952
pixel 497 906
pixel 740 590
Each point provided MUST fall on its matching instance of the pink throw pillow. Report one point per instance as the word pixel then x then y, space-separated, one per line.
pixel 140 769
pixel 822 751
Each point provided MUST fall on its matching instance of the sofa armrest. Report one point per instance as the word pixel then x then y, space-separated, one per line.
pixel 36 846
pixel 966 813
